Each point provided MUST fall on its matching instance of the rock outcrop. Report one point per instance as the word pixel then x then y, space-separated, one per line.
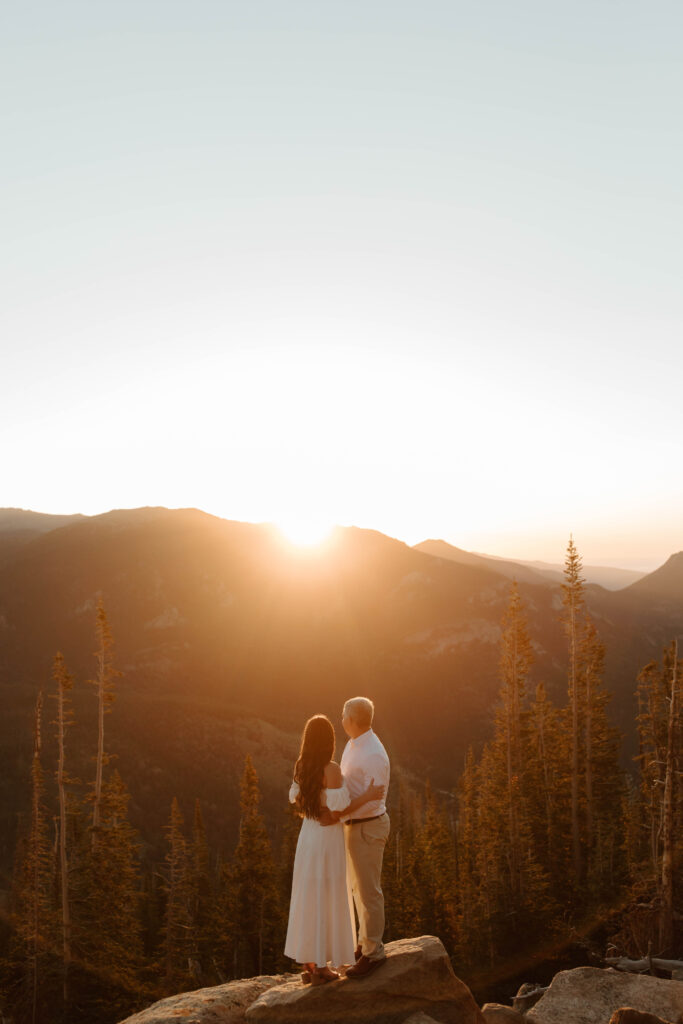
pixel 588 995
pixel 498 1013
pixel 415 986
pixel 627 1015
pixel 527 996
pixel 416 978
pixel 220 1004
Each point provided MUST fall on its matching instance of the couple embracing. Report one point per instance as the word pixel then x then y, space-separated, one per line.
pixel 339 854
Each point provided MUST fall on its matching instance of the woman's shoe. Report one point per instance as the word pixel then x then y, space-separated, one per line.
pixel 322 975
pixel 306 977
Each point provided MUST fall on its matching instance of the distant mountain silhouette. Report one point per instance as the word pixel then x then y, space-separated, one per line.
pixel 512 570
pixel 609 577
pixel 665 583
pixel 24 521
pixel 656 601
pixel 17 525
pixel 228 638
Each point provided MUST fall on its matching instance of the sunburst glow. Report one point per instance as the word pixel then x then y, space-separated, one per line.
pixel 305 532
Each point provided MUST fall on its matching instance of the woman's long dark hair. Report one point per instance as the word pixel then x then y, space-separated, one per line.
pixel 317 750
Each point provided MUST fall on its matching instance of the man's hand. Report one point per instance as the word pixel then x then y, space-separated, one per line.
pixel 327 817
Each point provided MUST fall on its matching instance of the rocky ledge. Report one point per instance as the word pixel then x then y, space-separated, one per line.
pixel 417 985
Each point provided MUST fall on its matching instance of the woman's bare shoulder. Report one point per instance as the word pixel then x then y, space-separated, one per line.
pixel 332 776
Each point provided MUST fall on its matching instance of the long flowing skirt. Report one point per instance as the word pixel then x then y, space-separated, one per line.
pixel 321 925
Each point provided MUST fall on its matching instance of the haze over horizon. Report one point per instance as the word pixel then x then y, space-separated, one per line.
pixel 314 536
pixel 416 270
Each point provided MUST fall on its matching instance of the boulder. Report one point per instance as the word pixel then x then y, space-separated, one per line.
pixel 419 1018
pixel 498 1013
pixel 527 996
pixel 417 977
pixel 589 995
pixel 627 1015
pixel 220 1004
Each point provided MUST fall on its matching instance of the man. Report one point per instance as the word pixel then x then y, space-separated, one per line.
pixel 365 833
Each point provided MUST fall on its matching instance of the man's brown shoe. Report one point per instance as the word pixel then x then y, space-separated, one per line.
pixel 357 953
pixel 363 967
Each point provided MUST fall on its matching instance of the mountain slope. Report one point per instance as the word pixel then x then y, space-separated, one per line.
pixel 19 520
pixel 512 570
pixel 228 639
pixel 664 584
pixel 609 577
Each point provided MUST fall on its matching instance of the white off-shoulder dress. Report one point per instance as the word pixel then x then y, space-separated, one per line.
pixel 321 926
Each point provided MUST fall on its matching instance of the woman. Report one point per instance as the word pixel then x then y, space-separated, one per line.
pixel 321 926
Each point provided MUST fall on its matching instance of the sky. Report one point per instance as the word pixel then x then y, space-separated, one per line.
pixel 412 267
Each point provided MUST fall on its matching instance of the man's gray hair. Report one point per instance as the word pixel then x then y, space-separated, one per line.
pixel 361 710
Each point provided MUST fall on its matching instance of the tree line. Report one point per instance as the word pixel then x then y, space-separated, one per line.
pixel 542 834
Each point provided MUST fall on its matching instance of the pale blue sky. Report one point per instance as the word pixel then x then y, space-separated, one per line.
pixel 411 266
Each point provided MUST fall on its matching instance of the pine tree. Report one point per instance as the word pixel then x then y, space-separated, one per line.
pixel 573 601
pixel 433 874
pixel 176 942
pixel 110 930
pixel 104 683
pixel 402 902
pixel 660 697
pixel 32 962
pixel 545 785
pixel 201 899
pixel 64 683
pixel 516 660
pixel 471 919
pixel 603 781
pixel 252 887
pixel 669 807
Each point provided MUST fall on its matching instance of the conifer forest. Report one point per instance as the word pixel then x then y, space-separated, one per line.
pixel 546 840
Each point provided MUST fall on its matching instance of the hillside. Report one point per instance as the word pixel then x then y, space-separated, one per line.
pixel 662 588
pixel 609 577
pixel 228 638
pixel 512 570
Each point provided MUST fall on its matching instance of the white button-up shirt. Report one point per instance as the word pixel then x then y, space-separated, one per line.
pixel 364 759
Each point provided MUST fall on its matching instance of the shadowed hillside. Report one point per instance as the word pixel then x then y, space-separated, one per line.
pixel 228 638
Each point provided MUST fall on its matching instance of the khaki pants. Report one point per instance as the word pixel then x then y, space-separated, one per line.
pixel 365 844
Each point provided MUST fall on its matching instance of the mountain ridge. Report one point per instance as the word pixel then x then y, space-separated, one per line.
pixel 609 577
pixel 219 624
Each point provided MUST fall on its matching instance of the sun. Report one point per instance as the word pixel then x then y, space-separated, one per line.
pixel 305 532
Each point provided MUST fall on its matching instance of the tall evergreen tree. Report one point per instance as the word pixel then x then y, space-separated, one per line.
pixel 548 801
pixel 64 682
pixel 433 874
pixel 470 928
pixel 402 900
pixel 252 887
pixel 201 899
pixel 660 698
pixel 603 779
pixel 177 932
pixel 110 927
pixel 104 684
pixel 669 807
pixel 32 961
pixel 573 601
pixel 516 660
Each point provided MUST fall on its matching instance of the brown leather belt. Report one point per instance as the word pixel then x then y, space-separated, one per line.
pixel 359 821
